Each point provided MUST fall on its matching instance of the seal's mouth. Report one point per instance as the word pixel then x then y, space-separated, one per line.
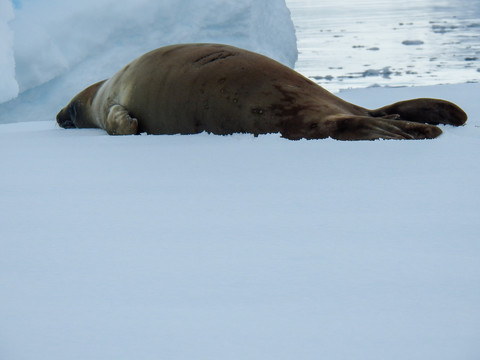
pixel 64 119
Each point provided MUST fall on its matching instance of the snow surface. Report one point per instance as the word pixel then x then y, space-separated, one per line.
pixel 236 247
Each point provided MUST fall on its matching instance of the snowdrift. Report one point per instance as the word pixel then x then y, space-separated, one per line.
pixel 62 47
pixel 8 83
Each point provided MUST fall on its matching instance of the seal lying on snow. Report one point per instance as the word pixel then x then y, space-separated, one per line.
pixel 191 88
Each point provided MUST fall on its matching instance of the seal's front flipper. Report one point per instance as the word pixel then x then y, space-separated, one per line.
pixel 119 122
pixel 430 111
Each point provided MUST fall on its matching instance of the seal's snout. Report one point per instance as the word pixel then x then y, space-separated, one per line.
pixel 64 119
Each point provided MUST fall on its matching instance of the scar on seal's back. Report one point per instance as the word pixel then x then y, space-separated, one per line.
pixel 221 89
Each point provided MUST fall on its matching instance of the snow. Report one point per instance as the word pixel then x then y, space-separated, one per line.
pixel 8 84
pixel 235 247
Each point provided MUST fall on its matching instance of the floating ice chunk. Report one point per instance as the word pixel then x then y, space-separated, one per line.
pixel 385 72
pixel 327 77
pixel 442 29
pixel 412 42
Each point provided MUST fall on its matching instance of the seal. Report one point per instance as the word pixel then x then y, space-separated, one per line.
pixel 220 89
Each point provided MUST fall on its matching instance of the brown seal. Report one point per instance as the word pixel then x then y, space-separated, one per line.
pixel 220 89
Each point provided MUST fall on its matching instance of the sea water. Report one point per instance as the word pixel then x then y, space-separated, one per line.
pixel 361 43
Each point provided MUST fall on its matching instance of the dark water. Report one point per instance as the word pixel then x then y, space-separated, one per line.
pixel 360 43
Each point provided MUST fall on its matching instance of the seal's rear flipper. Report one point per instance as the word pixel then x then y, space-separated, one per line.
pixel 119 122
pixel 353 127
pixel 430 111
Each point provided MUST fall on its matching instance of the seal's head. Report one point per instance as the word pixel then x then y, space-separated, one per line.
pixel 66 117
pixel 77 113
